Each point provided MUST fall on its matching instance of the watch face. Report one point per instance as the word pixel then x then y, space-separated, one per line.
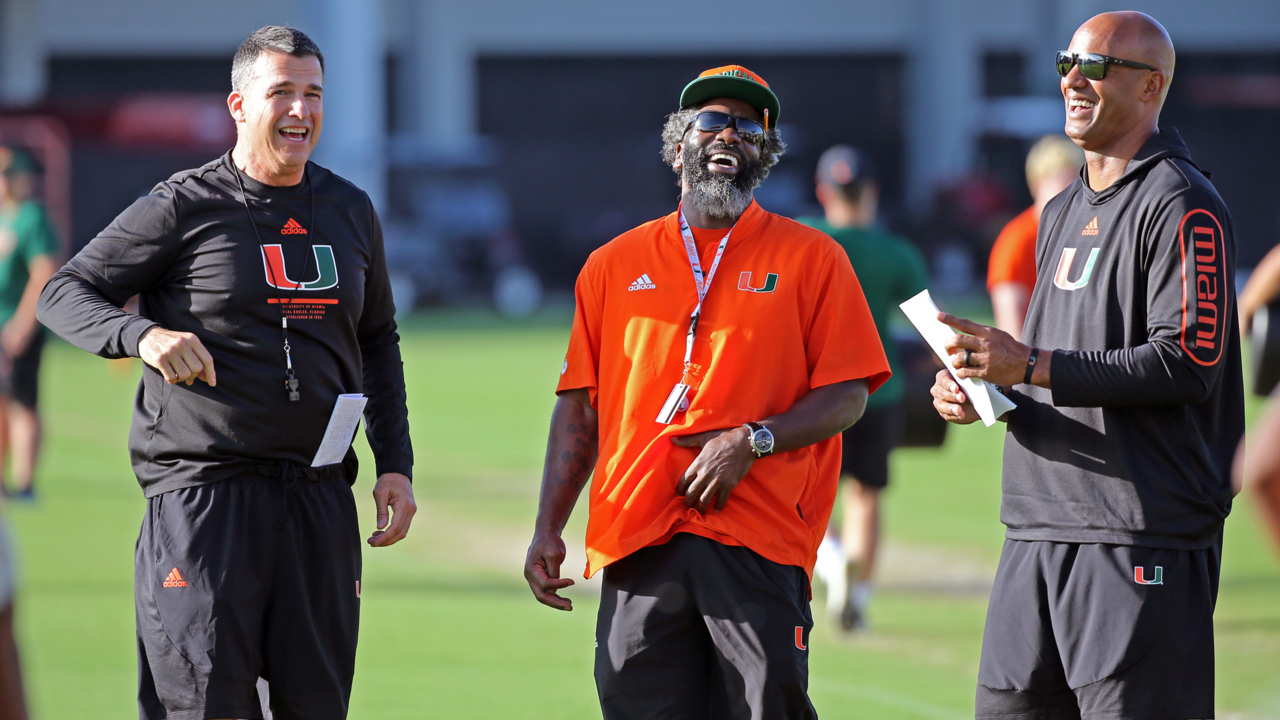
pixel 762 439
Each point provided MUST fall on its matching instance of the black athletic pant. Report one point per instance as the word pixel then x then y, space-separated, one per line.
pixel 694 630
pixel 1080 631
pixel 250 577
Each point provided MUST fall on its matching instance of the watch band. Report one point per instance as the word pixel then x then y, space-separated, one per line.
pixel 1031 366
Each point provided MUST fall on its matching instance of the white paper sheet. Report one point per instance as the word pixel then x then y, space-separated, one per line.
pixel 923 313
pixel 341 430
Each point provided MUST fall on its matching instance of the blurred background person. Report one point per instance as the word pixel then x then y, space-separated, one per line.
pixel 1052 164
pixel 13 704
pixel 890 270
pixel 1258 470
pixel 28 249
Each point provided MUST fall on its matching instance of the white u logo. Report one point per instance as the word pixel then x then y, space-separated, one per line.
pixel 1064 269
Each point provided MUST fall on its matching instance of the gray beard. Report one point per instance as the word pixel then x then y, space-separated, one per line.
pixel 719 196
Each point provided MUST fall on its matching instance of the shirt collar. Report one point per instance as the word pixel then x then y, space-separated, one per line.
pixel 747 223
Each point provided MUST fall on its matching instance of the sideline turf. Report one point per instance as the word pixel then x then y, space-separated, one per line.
pixel 448 628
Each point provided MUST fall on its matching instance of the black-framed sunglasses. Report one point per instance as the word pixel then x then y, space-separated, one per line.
pixel 713 121
pixel 1092 65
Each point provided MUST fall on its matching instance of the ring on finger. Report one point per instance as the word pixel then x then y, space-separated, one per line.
pixel 967 353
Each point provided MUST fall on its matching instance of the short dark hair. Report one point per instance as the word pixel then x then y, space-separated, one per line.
pixel 272 38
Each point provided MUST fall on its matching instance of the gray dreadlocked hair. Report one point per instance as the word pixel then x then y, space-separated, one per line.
pixel 771 150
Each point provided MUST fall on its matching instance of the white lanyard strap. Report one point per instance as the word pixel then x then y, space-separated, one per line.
pixel 702 284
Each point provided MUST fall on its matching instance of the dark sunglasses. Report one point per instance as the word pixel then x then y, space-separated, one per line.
pixel 711 121
pixel 1092 65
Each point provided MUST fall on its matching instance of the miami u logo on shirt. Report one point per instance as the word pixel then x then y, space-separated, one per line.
pixel 1061 277
pixel 277 277
pixel 770 283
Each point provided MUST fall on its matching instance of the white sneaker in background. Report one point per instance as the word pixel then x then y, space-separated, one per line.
pixel 830 559
pixel 831 569
pixel 853 617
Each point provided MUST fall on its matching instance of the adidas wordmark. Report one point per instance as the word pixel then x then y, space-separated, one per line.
pixel 643 283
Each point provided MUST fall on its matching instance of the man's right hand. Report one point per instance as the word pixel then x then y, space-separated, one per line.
pixel 179 356
pixel 542 570
pixel 950 401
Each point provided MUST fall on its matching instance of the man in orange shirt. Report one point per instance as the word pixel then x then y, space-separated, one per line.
pixel 1053 163
pixel 714 400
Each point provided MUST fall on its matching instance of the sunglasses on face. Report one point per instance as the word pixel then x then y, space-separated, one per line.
pixel 1093 65
pixel 711 121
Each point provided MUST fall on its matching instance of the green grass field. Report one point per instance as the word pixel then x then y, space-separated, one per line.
pixel 449 629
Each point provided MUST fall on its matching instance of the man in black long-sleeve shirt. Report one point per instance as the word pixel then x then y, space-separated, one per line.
pixel 264 295
pixel 1116 466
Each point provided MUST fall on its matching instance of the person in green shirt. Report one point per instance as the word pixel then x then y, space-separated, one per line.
pixel 28 248
pixel 890 270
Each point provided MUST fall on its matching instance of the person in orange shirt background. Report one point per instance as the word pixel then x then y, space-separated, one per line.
pixel 1052 164
pixel 715 357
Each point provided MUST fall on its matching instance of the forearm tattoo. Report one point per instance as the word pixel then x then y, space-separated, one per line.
pixel 577 460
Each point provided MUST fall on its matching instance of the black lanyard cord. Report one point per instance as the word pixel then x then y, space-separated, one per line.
pixel 290 382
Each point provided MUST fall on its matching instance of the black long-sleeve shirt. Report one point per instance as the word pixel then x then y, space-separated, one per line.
pixel 189 252
pixel 1135 294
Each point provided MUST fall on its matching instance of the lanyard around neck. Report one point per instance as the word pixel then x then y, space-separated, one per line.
pixel 290 379
pixel 703 284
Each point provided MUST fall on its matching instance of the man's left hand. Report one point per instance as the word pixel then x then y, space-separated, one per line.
pixel 392 491
pixel 993 355
pixel 725 458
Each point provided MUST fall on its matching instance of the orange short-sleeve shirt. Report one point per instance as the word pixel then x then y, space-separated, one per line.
pixel 1013 257
pixel 785 314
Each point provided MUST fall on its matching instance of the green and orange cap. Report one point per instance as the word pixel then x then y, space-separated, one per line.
pixel 737 82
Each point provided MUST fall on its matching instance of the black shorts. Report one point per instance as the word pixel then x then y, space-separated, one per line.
pixel 1099 631
pixel 246 578
pixel 695 629
pixel 867 444
pixel 21 382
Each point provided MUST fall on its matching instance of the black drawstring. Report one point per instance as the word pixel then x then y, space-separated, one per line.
pixel 289 474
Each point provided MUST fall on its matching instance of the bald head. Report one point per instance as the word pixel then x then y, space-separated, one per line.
pixel 1116 113
pixel 1128 35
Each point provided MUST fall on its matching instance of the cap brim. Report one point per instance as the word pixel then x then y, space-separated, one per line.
pixel 724 86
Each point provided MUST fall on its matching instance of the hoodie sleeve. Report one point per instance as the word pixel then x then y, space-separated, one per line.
pixel 386 415
pixel 1190 297
pixel 82 301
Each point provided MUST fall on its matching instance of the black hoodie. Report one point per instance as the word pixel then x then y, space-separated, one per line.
pixel 1135 294
pixel 189 251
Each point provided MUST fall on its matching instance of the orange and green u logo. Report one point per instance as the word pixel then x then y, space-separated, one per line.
pixel 1140 576
pixel 327 269
pixel 770 283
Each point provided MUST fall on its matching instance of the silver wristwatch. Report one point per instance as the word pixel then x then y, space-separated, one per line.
pixel 761 439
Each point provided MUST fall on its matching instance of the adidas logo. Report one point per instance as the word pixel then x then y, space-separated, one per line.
pixel 293 228
pixel 1091 228
pixel 174 579
pixel 642 283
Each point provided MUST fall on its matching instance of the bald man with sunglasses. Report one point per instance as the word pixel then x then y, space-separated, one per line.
pixel 1130 402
